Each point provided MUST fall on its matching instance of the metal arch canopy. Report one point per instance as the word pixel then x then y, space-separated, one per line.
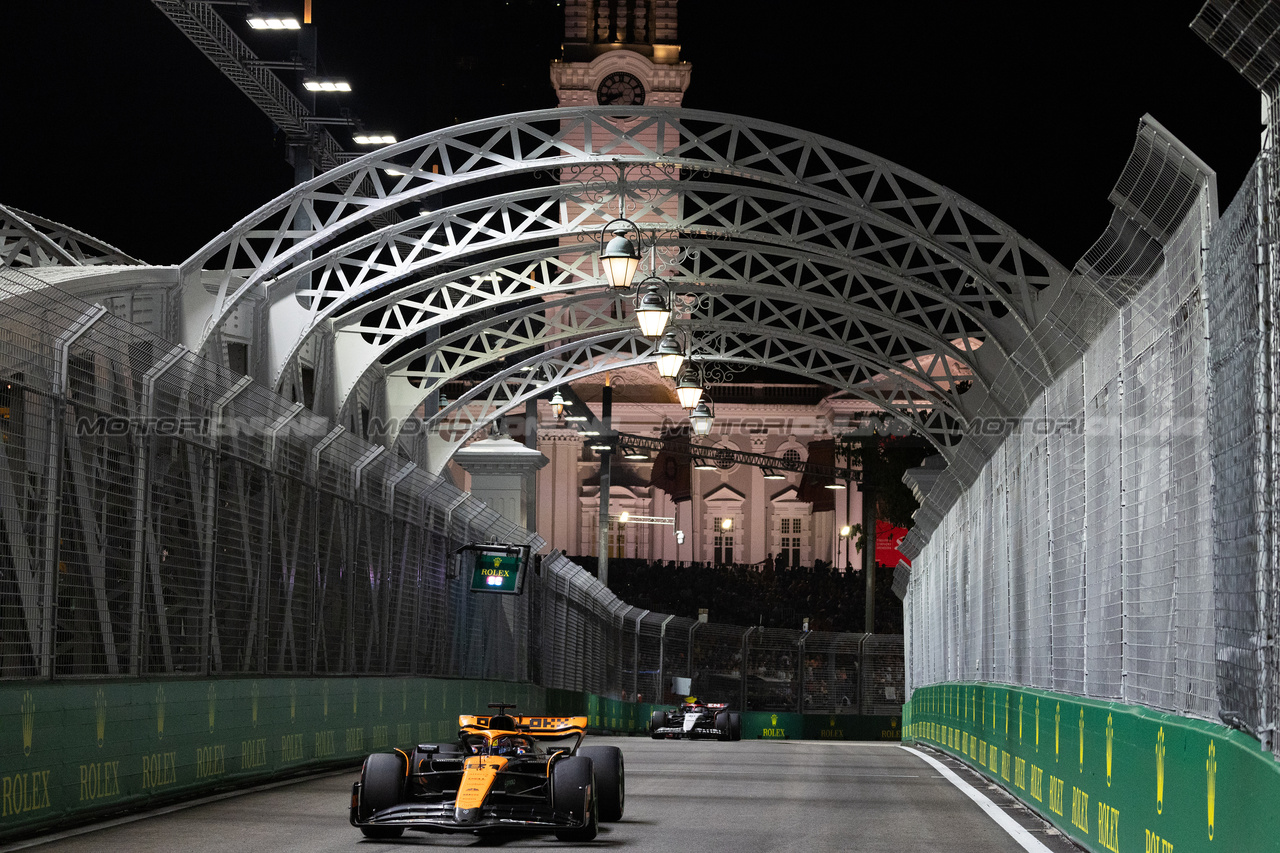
pixel 785 221
pixel 27 240
pixel 907 397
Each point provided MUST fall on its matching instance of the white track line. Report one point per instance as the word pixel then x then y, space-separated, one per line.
pixel 1025 839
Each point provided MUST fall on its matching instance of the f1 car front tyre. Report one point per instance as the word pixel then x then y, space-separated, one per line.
pixel 724 726
pixel 573 789
pixel 610 779
pixel 657 720
pixel 382 781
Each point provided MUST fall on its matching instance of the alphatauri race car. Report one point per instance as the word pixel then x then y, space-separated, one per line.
pixel 504 773
pixel 694 719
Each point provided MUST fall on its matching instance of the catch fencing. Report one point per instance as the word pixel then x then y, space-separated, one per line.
pixel 1120 545
pixel 160 516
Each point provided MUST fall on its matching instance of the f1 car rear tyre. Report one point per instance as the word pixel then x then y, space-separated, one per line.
pixel 611 780
pixel 382 781
pixel 735 726
pixel 657 720
pixel 573 792
pixel 724 726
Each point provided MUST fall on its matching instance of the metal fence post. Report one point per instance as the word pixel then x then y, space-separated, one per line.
pixel 53 486
pixel 742 689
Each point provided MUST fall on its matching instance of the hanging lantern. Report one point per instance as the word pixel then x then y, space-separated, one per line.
pixel 701 417
pixel 653 311
pixel 620 260
pixel 689 387
pixel 670 355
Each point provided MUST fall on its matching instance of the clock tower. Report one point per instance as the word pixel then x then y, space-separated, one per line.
pixel 620 53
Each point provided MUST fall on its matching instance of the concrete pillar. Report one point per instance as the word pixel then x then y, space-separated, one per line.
pixel 503 475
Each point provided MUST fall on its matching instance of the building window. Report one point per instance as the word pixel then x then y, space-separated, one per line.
pixel 617 540
pixel 723 543
pixel 789 543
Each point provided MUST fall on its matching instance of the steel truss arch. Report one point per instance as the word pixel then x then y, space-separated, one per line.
pixel 504 391
pixel 822 325
pixel 838 248
pixel 345 275
pixel 27 240
pixel 717 269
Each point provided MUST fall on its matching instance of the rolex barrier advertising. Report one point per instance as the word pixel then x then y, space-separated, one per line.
pixel 73 751
pixel 1114 777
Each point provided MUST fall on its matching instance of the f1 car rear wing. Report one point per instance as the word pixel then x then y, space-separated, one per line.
pixel 551 727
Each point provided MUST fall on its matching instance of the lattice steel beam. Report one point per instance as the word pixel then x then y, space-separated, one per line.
pixel 27 240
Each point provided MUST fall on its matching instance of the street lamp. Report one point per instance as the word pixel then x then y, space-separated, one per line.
pixel 620 257
pixel 689 387
pixel 653 309
pixel 701 417
pixel 844 534
pixel 557 404
pixel 670 355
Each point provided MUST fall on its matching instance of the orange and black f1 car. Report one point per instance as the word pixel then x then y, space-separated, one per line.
pixel 504 773
pixel 695 719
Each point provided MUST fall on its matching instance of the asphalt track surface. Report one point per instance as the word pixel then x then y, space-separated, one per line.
pixel 744 797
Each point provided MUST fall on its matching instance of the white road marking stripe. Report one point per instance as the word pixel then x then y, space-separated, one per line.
pixel 1025 839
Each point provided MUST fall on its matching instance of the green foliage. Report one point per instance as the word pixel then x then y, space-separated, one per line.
pixel 883 460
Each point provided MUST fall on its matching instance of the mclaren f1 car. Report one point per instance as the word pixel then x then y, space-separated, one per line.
pixel 696 719
pixel 504 773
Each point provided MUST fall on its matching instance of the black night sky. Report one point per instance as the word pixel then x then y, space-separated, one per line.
pixel 115 123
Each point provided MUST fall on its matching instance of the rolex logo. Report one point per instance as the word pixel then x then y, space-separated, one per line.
pixel 1082 740
pixel 1160 771
pixel 1037 724
pixel 1211 767
pixel 774 720
pixel 253 703
pixel 160 712
pixel 28 722
pixel 213 705
pixel 1111 734
pixel 100 706
pixel 1057 729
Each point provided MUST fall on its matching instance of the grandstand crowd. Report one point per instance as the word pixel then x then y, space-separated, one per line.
pixel 738 594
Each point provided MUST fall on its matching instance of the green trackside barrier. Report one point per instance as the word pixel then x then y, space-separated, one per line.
pixel 1114 777
pixel 76 752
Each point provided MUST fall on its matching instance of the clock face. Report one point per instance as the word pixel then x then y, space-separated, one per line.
pixel 620 89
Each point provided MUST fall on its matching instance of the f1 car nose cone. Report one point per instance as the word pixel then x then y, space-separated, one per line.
pixel 462 815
